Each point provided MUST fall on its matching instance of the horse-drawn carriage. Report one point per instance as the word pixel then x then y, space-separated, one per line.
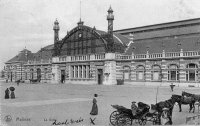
pixel 34 80
pixel 123 116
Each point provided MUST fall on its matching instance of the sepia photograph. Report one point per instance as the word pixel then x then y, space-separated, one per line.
pixel 99 62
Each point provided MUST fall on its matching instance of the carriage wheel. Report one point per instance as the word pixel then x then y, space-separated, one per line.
pixel 142 120
pixel 155 120
pixel 114 117
pixel 124 120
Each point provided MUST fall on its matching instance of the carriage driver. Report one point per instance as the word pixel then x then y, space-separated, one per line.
pixel 165 117
pixel 134 108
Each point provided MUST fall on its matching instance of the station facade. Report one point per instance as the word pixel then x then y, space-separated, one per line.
pixel 168 52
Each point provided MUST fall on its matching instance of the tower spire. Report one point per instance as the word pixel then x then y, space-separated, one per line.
pixel 110 18
pixel 80 23
pixel 56 29
pixel 80 10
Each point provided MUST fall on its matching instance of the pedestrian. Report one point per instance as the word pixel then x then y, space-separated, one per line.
pixel 134 108
pixel 7 93
pixel 165 117
pixel 94 110
pixel 12 95
pixel 18 82
pixel 172 87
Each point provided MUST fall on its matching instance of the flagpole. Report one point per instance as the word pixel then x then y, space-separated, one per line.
pixel 157 94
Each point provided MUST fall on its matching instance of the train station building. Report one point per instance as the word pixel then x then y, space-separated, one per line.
pixel 168 52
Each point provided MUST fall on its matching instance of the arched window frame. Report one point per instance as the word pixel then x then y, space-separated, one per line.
pixel 191 70
pixel 173 72
pixel 155 68
pixel 138 70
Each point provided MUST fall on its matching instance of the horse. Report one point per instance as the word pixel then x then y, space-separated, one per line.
pixel 195 96
pixel 33 80
pixel 165 104
pixel 185 101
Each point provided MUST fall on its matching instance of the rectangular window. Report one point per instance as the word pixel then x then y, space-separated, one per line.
pixel 26 76
pixel 76 72
pixel 173 75
pixel 88 50
pixel 88 71
pixel 84 71
pixel 84 50
pixel 72 71
pixel 80 71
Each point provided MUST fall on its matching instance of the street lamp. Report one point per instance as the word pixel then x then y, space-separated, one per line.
pixel 21 70
pixel 179 48
pixel 147 52
pixel 163 53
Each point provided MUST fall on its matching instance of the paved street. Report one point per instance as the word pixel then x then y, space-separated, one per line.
pixel 42 104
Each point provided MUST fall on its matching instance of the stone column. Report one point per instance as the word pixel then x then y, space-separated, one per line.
pixel 133 71
pixel 110 69
pixel 182 72
pixel 55 74
pixel 78 71
pixel 74 71
pixel 147 71
pixel 87 71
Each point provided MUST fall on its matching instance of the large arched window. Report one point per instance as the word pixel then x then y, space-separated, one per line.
pixel 140 73
pixel 191 72
pixel 173 72
pixel 155 73
pixel 82 40
pixel 126 72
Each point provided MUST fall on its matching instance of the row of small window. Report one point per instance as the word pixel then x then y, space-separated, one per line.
pixel 76 51
pixel 80 71
pixel 191 75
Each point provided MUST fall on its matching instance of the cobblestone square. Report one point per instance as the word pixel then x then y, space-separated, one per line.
pixel 42 104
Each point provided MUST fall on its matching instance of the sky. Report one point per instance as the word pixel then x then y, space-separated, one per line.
pixel 29 23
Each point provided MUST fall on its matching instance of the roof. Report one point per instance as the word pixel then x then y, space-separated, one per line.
pixel 23 56
pixel 120 41
pixel 118 38
pixel 169 44
pixel 158 26
pixel 44 53
pixel 163 30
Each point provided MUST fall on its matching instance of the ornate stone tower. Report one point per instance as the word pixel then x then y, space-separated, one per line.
pixel 56 29
pixel 110 18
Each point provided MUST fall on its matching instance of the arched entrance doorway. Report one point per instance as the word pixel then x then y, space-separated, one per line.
pixel 62 76
pixel 100 76
pixel 45 74
pixel 39 74
pixel 140 73
pixel 191 72
pixel 11 76
pixel 156 73
pixel 31 74
pixel 126 72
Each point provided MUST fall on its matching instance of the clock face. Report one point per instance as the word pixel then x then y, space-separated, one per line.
pixel 80 35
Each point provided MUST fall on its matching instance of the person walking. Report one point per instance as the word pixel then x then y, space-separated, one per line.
pixel 18 82
pixel 94 110
pixel 12 94
pixel 7 93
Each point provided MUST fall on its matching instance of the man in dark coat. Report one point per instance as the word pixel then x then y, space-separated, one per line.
pixel 7 93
